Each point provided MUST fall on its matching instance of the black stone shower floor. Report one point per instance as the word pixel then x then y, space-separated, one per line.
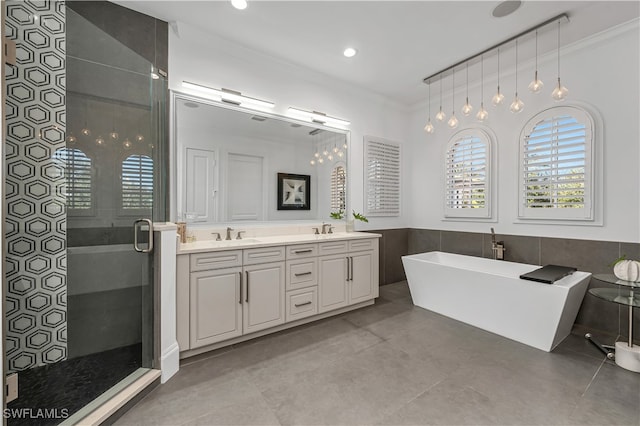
pixel 70 384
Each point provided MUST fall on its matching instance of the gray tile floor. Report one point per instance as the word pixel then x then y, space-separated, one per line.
pixel 393 363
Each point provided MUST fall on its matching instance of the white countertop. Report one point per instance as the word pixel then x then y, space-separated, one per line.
pixel 279 240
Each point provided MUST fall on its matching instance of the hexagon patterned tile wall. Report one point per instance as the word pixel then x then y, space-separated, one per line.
pixel 36 220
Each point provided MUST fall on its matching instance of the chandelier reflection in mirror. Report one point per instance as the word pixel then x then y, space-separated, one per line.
pixel 475 64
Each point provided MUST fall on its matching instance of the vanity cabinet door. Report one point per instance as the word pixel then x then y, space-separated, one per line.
pixel 332 288
pixel 362 282
pixel 263 296
pixel 216 311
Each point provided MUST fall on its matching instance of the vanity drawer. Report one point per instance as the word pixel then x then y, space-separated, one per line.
pixel 358 245
pixel 302 273
pixel 333 247
pixel 264 255
pixel 302 303
pixel 215 260
pixel 300 251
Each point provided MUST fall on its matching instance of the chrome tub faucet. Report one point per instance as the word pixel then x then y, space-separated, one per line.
pixel 497 247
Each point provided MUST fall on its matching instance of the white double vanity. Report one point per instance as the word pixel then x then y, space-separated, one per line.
pixel 235 290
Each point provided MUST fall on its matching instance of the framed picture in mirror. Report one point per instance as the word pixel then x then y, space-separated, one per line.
pixel 294 192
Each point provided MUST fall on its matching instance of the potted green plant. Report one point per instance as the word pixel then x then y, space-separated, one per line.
pixel 356 216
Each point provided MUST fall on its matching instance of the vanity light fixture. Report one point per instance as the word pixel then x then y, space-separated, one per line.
pixel 560 92
pixel 453 121
pixel 536 84
pixel 467 108
pixel 228 96
pixel 239 4
pixel 517 105
pixel 429 127
pixel 498 97
pixel 482 113
pixel 317 117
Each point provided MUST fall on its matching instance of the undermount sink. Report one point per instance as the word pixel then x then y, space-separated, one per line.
pixel 235 242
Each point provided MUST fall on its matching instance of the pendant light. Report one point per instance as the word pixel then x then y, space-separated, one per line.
pixel 467 108
pixel 498 97
pixel 429 127
pixel 482 113
pixel 517 105
pixel 536 84
pixel 453 121
pixel 560 92
pixel 440 116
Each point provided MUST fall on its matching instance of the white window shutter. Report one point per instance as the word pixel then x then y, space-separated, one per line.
pixel 338 189
pixel 382 177
pixel 79 180
pixel 137 183
pixel 468 175
pixel 556 177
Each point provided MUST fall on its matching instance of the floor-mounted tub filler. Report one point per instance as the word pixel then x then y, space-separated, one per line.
pixel 490 295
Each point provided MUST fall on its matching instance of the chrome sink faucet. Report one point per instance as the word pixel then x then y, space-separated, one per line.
pixel 497 247
pixel 228 233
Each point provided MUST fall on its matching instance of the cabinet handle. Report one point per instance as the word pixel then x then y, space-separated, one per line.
pixel 302 251
pixel 348 268
pixel 297 305
pixel 240 301
pixel 247 297
pixel 302 274
pixel 351 274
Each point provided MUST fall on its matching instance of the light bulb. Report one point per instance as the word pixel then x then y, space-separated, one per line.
pixel 127 144
pixel 344 146
pixel 467 108
pixel 100 141
pixel 429 127
pixel 312 162
pixel 239 4
pixel 325 152
pixel 517 105
pixel 536 84
pixel 560 93
pixel 71 139
pixel 85 131
pixel 140 138
pixel 151 146
pixel 497 98
pixel 335 149
pixel 453 121
pixel 440 116
pixel 320 160
pixel 330 157
pixel 317 155
pixel 482 113
pixel 340 154
pixel 114 135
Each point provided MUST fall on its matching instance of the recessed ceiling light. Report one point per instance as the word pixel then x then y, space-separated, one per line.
pixel 349 52
pixel 506 8
pixel 239 4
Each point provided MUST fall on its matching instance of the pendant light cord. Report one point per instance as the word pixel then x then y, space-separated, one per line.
pixel 516 67
pixel 440 93
pixel 481 80
pixel 467 82
pixel 453 92
pixel 558 50
pixel 536 51
pixel 498 69
pixel 429 100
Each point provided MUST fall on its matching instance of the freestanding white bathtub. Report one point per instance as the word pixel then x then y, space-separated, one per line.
pixel 489 294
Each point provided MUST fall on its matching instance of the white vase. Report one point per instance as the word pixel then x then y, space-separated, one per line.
pixel 350 225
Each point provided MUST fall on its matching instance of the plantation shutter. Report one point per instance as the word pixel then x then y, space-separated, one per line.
pixel 467 175
pixel 78 176
pixel 382 177
pixel 338 189
pixel 137 183
pixel 555 166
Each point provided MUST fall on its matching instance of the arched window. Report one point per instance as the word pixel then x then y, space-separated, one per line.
pixel 556 172
pixel 338 188
pixel 137 183
pixel 79 182
pixel 468 175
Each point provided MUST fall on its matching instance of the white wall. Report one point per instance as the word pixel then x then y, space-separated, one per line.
pixel 601 72
pixel 205 59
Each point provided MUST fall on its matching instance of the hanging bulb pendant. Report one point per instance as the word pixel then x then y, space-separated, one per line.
pixel 453 121
pixel 517 105
pixel 560 93
pixel 440 116
pixel 498 98
pixel 482 113
pixel 536 84
pixel 429 128
pixel 467 108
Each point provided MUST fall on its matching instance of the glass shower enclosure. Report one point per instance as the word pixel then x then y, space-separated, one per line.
pixel 85 120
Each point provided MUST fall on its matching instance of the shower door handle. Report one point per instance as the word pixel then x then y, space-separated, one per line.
pixel 137 226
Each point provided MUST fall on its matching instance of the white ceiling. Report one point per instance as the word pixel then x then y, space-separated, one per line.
pixel 399 42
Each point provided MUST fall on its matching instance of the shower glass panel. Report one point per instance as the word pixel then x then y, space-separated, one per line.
pixel 80 298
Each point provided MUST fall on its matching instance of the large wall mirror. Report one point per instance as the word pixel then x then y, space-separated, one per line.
pixel 235 165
